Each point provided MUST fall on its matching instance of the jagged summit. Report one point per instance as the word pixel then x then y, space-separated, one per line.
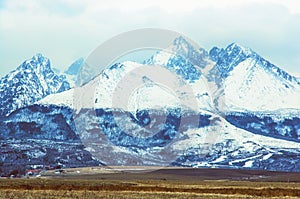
pixel 182 57
pixel 245 76
pixel 226 59
pixel 181 45
pixel 196 55
pixel 38 61
pixel 30 82
pixel 235 46
pixel 234 54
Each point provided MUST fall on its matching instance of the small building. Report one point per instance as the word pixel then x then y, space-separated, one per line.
pixel 33 172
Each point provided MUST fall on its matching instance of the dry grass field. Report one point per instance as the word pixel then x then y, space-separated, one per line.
pixel 164 183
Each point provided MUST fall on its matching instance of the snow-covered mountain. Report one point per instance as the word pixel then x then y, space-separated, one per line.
pixel 251 83
pixel 31 81
pixel 183 106
pixel 119 138
pixel 227 146
pixel 183 58
pixel 234 124
pixel 184 63
pixel 37 135
pixel 240 73
pixel 106 91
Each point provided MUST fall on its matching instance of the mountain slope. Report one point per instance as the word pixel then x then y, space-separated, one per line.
pixel 73 70
pixel 227 146
pixel 249 82
pixel 184 63
pixel 118 139
pixel 30 82
pixel 133 86
pixel 132 113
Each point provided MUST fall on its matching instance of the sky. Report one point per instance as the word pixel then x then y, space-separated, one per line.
pixel 65 30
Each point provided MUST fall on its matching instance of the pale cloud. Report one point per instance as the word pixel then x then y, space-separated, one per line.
pixel 65 30
pixel 174 6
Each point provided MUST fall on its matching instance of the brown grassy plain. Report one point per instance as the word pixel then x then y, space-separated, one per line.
pixel 163 183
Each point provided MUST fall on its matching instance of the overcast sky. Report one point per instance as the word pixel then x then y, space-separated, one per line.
pixel 65 30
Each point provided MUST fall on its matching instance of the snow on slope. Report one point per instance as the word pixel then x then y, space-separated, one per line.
pixel 61 99
pixel 180 50
pixel 133 86
pixel 249 82
pixel 30 82
pixel 251 87
pixel 226 144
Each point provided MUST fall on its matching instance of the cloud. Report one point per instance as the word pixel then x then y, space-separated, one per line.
pixel 65 30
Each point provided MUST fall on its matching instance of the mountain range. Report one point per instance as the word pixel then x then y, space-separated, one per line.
pixel 229 107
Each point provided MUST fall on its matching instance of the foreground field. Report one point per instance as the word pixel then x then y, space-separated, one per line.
pixel 165 183
pixel 124 194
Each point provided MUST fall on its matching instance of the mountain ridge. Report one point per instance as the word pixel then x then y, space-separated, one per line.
pixel 32 80
pixel 239 122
